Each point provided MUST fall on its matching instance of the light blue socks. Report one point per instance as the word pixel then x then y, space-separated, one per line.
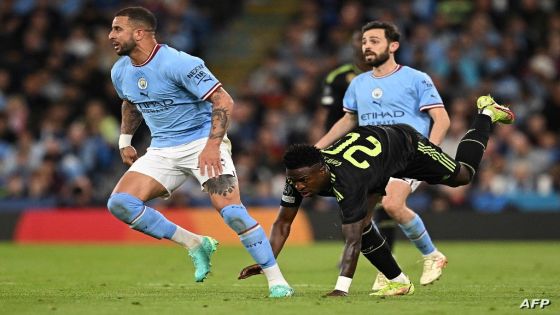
pixel 140 217
pixel 417 234
pixel 250 233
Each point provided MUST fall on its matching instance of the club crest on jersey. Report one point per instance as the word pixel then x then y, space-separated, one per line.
pixel 142 83
pixel 377 93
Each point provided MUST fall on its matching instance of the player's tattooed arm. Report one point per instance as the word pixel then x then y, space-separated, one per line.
pixel 131 118
pixel 209 159
pixel 221 113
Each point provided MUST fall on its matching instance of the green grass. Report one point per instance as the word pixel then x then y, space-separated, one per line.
pixel 482 278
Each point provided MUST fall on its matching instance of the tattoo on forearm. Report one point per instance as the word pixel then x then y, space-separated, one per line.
pixel 220 114
pixel 219 123
pixel 131 118
pixel 221 185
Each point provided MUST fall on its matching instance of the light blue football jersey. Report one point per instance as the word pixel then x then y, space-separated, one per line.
pixel 170 90
pixel 400 97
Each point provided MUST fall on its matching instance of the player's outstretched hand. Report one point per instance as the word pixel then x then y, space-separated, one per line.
pixel 337 293
pixel 209 161
pixel 129 155
pixel 250 271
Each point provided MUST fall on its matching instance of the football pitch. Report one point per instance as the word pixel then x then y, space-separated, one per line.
pixel 482 278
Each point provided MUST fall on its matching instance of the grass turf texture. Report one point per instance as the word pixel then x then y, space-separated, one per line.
pixel 482 278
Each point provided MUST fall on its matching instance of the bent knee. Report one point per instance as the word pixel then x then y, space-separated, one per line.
pixel 124 206
pixel 223 191
pixel 392 205
pixel 464 177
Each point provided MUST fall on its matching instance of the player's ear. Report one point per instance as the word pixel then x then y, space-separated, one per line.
pixel 393 47
pixel 138 34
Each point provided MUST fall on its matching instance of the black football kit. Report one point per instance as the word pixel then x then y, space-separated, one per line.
pixel 362 162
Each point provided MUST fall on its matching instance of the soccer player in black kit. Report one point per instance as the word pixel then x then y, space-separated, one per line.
pixel 355 170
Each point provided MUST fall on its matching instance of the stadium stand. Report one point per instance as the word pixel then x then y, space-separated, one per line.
pixel 59 115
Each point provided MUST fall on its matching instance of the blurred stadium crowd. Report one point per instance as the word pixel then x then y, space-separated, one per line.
pixel 59 114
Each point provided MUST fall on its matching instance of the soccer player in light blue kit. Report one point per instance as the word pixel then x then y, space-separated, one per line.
pixel 391 94
pixel 188 113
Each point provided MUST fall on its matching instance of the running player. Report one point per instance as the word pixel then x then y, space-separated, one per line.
pixel 188 113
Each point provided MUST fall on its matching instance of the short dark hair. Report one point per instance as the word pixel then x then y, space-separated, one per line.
pixel 391 30
pixel 301 155
pixel 140 14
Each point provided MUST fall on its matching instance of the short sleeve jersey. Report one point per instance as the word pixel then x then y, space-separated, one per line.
pixel 360 164
pixel 171 90
pixel 400 97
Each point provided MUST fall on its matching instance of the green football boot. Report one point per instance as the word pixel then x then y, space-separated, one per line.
pixel 498 113
pixel 201 257
pixel 280 291
pixel 395 288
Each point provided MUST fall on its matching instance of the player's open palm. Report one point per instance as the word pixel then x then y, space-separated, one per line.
pixel 209 161
pixel 128 155
pixel 250 271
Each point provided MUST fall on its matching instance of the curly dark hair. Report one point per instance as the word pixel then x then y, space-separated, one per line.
pixel 391 31
pixel 301 155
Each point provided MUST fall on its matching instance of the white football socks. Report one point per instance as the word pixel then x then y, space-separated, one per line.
pixel 488 113
pixel 274 276
pixel 402 278
pixel 186 238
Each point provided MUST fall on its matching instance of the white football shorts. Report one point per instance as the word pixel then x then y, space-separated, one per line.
pixel 414 183
pixel 171 166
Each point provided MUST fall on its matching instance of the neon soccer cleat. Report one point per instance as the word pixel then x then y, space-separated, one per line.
pixel 201 258
pixel 280 291
pixel 433 267
pixel 395 288
pixel 380 282
pixel 497 113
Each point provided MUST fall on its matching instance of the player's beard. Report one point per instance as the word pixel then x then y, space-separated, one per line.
pixel 126 48
pixel 379 59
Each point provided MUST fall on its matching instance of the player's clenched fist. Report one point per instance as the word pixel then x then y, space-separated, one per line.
pixel 250 271
pixel 128 155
